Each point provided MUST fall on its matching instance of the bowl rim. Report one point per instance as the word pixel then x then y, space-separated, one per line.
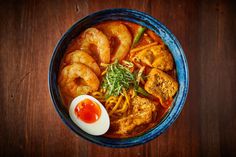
pixel 161 126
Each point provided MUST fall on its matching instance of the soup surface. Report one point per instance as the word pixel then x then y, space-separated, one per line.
pixel 125 66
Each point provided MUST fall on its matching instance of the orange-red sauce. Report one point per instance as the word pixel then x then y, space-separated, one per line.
pixel 88 111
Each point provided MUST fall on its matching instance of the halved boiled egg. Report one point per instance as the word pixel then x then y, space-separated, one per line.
pixel 89 114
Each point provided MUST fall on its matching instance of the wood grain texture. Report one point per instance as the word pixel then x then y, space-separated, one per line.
pixel 30 126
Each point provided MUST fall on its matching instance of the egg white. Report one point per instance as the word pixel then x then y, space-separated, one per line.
pixel 97 128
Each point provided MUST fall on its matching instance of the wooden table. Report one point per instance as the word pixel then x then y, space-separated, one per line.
pixel 30 126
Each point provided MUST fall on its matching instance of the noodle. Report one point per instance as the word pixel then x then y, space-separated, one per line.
pixel 99 95
pixel 132 93
pixel 116 106
pixel 126 96
pixel 126 103
pixel 123 109
pixel 111 101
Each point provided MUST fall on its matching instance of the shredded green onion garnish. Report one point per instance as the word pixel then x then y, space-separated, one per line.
pixel 118 77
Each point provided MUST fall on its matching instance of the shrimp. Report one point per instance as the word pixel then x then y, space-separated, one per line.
pixel 79 56
pixel 77 79
pixel 117 30
pixel 96 44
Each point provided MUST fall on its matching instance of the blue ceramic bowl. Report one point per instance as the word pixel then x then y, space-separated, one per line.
pixel 144 20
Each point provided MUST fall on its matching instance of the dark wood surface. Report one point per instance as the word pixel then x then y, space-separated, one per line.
pixel 30 126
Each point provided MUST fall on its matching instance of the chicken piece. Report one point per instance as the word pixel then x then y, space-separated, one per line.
pixel 141 113
pixel 161 85
pixel 157 56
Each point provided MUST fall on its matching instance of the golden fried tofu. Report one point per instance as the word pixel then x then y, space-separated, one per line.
pixel 161 85
pixel 157 56
pixel 141 113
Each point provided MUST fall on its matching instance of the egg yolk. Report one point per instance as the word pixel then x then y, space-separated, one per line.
pixel 88 111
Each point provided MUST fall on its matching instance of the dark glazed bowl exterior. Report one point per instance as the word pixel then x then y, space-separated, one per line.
pixel 144 20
